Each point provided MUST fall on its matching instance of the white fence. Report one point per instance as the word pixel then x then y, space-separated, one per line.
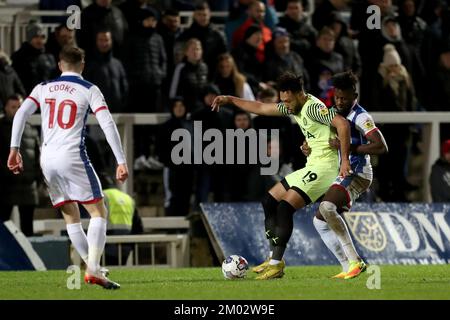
pixel 431 136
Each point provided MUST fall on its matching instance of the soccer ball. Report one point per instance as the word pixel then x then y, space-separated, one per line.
pixel 234 267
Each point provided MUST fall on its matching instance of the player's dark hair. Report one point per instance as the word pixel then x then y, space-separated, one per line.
pixel 15 96
pixel 290 82
pixel 345 81
pixel 72 55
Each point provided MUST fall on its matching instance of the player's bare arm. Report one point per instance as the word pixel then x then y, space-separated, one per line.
pixel 376 146
pixel 343 129
pixel 256 107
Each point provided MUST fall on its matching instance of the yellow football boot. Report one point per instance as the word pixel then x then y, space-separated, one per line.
pixel 272 271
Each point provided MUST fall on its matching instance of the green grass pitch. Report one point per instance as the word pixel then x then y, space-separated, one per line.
pixel 312 282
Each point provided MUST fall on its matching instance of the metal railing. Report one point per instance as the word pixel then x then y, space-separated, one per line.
pixel 431 135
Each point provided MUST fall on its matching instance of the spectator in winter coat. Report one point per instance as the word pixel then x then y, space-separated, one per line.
pixel 178 178
pixel 440 176
pixel 61 37
pixel 146 65
pixel 213 43
pixel 303 35
pixel 323 62
pixel 19 190
pixel 32 64
pixel 282 59
pixel 246 59
pixel 102 15
pixel 9 80
pixel 256 12
pixel 191 76
pixel 108 73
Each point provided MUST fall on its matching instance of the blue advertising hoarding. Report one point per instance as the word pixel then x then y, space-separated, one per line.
pixel 383 233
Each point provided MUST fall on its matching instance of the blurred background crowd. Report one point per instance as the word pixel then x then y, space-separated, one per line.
pixel 145 62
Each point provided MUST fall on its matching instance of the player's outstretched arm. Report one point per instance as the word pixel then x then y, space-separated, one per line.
pixel 256 107
pixel 343 130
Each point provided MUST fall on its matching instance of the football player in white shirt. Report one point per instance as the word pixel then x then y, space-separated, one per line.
pixel 71 180
pixel 366 140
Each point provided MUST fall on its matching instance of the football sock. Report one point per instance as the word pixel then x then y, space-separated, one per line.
pixel 331 241
pixel 273 262
pixel 283 230
pixel 96 237
pixel 270 205
pixel 328 210
pixel 79 240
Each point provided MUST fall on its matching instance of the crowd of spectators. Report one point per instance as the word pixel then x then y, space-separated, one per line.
pixel 144 62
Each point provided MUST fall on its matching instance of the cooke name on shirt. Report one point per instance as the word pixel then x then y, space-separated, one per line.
pixel 62 87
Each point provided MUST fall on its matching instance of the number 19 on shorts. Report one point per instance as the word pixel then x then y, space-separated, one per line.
pixel 309 177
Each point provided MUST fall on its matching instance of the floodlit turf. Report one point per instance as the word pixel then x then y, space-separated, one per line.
pixel 397 282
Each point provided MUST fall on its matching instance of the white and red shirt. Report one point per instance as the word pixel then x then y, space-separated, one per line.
pixel 65 103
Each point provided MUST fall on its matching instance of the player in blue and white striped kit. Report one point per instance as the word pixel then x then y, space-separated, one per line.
pixel 366 139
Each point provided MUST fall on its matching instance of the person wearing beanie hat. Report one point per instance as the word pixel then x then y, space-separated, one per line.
pixel 440 175
pixel 251 30
pixel 394 73
pixel 391 56
pixel 279 32
pixel 34 29
pixel 32 64
pixel 394 91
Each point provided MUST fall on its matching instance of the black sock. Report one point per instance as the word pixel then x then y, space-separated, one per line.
pixel 270 205
pixel 283 230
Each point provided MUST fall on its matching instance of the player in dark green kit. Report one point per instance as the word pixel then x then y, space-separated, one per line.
pixel 306 185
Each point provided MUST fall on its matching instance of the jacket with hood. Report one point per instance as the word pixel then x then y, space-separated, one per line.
pixel 213 43
pixel 440 181
pixel 9 80
pixel 33 66
pixel 109 75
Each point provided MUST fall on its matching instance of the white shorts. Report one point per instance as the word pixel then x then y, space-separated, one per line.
pixel 70 177
pixel 354 185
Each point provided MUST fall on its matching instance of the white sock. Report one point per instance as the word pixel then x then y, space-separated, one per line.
pixel 96 237
pixel 331 241
pixel 273 262
pixel 338 225
pixel 270 253
pixel 78 239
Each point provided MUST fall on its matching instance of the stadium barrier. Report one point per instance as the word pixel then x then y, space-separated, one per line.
pixel 383 233
pixel 430 120
pixel 16 251
pixel 177 246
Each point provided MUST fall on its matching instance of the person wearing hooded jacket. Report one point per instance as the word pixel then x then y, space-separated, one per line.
pixel 146 64
pixel 178 179
pixel 9 80
pixel 440 176
pixel 108 73
pixel 213 43
pixel 32 64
